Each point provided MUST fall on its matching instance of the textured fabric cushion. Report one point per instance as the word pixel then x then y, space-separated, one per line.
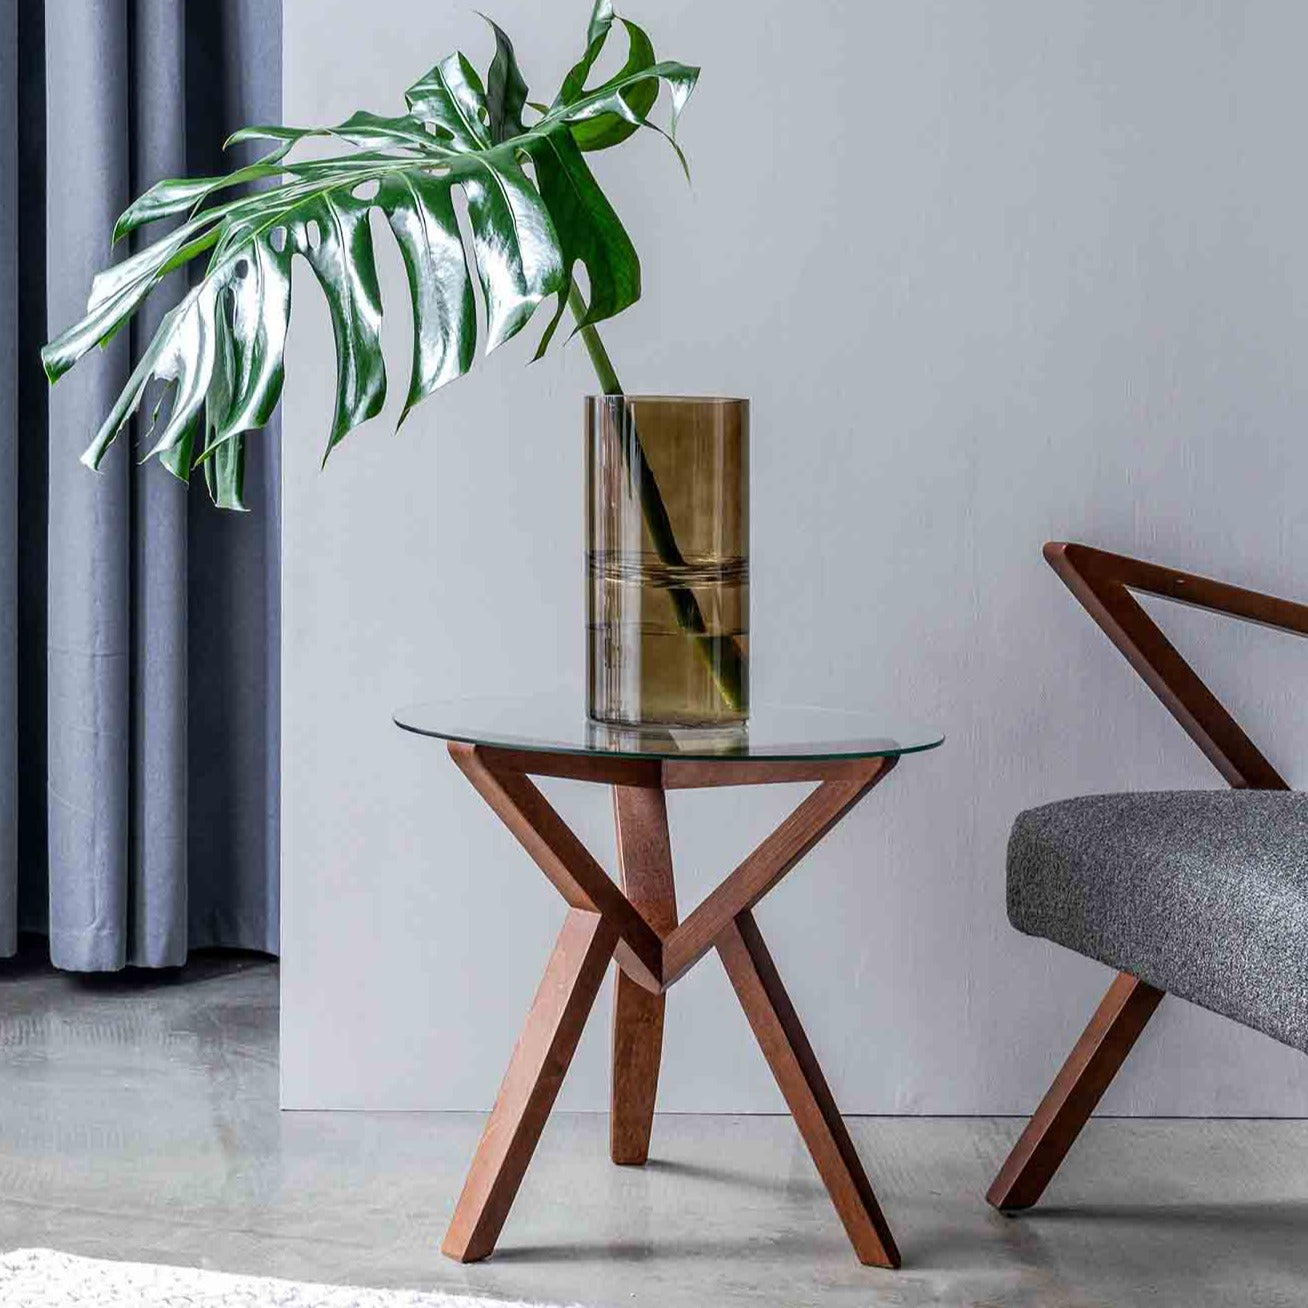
pixel 1203 894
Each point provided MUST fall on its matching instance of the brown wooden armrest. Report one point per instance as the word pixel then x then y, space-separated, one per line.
pixel 1103 583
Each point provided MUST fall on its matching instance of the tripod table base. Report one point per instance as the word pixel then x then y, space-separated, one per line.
pixel 638 927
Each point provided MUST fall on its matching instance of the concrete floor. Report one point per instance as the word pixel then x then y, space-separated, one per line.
pixel 138 1120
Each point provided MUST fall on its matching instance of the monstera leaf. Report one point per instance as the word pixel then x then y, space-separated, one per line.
pixel 534 212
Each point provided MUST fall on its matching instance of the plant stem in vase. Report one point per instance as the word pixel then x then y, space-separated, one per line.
pixel 721 652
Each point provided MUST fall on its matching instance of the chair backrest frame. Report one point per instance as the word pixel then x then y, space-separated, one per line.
pixel 1103 583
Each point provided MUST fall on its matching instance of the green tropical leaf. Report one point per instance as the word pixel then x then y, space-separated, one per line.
pixel 534 212
pixel 506 88
pixel 181 194
pixel 420 210
pixel 610 129
pixel 590 232
pixel 620 98
pixel 452 97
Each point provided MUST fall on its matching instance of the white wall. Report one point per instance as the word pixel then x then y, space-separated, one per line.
pixel 991 274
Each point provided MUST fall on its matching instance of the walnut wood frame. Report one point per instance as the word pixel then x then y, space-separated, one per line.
pixel 637 926
pixel 1103 584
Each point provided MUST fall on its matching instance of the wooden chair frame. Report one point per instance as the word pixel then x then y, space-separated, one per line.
pixel 637 927
pixel 1103 584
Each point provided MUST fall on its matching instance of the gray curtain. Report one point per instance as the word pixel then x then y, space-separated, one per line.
pixel 139 626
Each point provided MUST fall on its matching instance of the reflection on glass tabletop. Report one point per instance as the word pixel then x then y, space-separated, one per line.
pixel 556 723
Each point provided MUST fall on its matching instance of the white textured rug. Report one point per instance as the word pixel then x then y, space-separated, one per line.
pixel 41 1278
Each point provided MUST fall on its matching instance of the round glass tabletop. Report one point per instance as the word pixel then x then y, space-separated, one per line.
pixel 555 723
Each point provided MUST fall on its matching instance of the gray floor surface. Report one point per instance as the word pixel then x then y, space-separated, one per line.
pixel 138 1120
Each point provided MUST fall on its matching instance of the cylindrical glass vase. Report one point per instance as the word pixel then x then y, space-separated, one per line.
pixel 667 537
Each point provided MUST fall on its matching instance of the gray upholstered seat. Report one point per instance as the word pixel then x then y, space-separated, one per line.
pixel 1203 894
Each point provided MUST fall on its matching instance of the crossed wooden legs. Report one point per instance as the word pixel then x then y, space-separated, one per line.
pixel 640 929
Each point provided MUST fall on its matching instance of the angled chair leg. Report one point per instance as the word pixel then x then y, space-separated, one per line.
pixel 540 1060
pixel 777 1028
pixel 645 863
pixel 1077 1089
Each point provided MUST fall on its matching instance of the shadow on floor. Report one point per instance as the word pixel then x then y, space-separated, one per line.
pixel 726 1176
pixel 1275 1220
pixel 776 1244
pixel 1274 1234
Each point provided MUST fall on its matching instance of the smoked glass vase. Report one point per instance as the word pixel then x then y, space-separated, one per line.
pixel 667 535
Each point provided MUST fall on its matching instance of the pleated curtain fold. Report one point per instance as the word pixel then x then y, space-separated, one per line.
pixel 139 626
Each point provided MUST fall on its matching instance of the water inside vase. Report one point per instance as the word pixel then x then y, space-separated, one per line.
pixel 645 665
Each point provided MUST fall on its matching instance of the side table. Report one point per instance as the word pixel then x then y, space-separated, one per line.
pixel 500 744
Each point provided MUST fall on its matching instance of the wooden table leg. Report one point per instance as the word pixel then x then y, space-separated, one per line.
pixel 540 1059
pixel 645 862
pixel 781 1037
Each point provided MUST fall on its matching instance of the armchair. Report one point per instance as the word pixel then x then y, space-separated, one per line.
pixel 1201 894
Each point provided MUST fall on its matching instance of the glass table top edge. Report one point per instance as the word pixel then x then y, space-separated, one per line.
pixel 449 720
